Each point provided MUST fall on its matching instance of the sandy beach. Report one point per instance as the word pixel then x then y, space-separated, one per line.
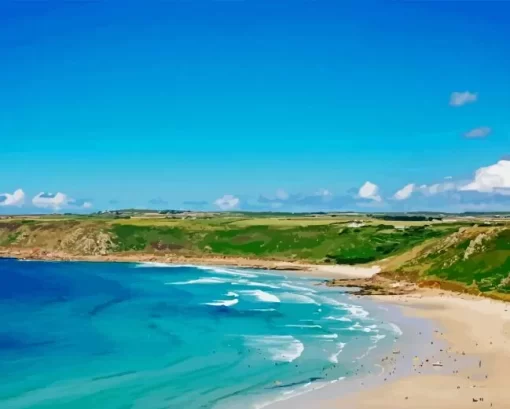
pixel 472 371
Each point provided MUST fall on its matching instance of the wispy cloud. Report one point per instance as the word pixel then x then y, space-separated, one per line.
pixel 405 192
pixel 195 203
pixel 17 198
pixel 158 201
pixel 434 189
pixel 458 99
pixel 480 132
pixel 227 202
pixel 84 203
pixel 282 194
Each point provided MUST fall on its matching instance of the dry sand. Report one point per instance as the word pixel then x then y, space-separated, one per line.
pixel 473 328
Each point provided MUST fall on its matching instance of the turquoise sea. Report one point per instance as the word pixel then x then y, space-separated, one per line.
pixel 153 336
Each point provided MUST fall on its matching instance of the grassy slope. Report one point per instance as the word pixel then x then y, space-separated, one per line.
pixel 312 239
pixel 466 257
pixel 474 258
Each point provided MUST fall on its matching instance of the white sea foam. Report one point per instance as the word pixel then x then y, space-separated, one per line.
pixel 359 327
pixel 334 357
pixel 396 329
pixel 366 353
pixel 255 284
pixel 203 280
pixel 376 338
pixel 302 326
pixel 232 294
pixel 297 287
pixel 219 270
pixel 282 348
pixel 227 271
pixel 297 298
pixel 332 301
pixel 357 311
pixel 150 264
pixel 344 319
pixel 223 303
pixel 263 309
pixel 309 387
pixel 261 295
pixel 327 336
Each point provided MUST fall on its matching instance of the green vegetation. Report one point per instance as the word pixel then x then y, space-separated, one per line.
pixel 476 258
pixel 407 218
pixel 466 254
pixel 314 239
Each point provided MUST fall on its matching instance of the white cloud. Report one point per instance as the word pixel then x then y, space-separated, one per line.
pixel 227 202
pixel 369 191
pixel 489 179
pixel 493 179
pixel 458 99
pixel 50 201
pixel 58 201
pixel 405 192
pixel 282 194
pixel 480 132
pixel 12 199
pixel 438 188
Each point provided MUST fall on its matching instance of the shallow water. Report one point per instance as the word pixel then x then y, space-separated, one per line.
pixel 121 335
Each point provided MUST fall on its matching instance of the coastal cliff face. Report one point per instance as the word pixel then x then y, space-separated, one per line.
pixel 465 257
pixel 65 236
pixel 334 243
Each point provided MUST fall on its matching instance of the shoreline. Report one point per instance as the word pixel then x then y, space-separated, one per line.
pixel 295 267
pixel 472 345
pixel 471 342
pixel 378 366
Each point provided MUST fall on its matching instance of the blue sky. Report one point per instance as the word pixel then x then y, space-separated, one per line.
pixel 283 105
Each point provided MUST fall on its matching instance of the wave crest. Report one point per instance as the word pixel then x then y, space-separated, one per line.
pixel 261 295
pixel 283 348
pixel 223 303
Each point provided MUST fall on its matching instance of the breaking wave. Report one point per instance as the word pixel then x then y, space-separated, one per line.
pixel 297 298
pixel 282 348
pixel 334 357
pixel 204 280
pixel 223 303
pixel 261 295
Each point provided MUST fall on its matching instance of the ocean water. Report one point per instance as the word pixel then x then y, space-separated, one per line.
pixel 153 336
